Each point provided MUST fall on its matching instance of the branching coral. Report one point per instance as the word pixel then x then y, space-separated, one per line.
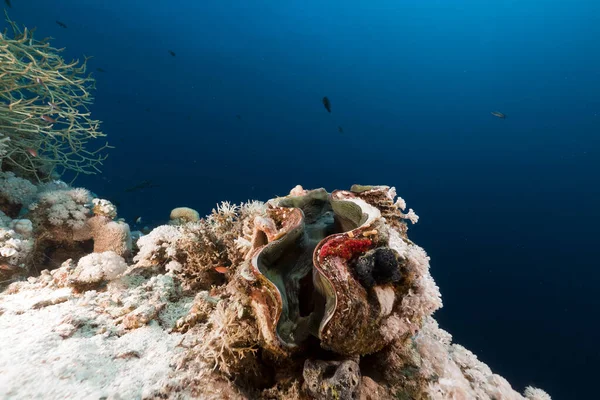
pixel 159 247
pixel 44 108
pixel 193 250
pixel 229 339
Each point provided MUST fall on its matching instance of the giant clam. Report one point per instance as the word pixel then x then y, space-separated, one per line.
pixel 321 265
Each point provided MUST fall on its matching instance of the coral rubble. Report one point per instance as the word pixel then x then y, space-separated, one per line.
pixel 313 295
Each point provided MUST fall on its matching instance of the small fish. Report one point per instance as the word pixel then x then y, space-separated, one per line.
pixel 8 3
pixel 327 104
pixel 61 24
pixel 221 270
pixel 31 151
pixel 171 52
pixel 128 355
pixel 7 267
pixel 138 220
pixel 53 106
pixel 39 81
pixel 340 129
pixel 100 70
pixel 147 184
pixel 48 119
pixel 498 114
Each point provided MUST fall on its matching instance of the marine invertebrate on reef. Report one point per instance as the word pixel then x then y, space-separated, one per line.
pixel 331 380
pixel 15 193
pixel 69 207
pixel 44 109
pixel 16 243
pixel 197 251
pixel 313 295
pixel 96 268
pixel 69 223
pixel 158 247
pixel 182 215
pixel 324 266
pixel 332 267
pixel 104 208
pixel 378 266
pixel 345 248
pixel 107 235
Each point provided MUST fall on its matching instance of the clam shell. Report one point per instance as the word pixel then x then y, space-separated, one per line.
pixel 352 318
pixel 301 258
pixel 270 298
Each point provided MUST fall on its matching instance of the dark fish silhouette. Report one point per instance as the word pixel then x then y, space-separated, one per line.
pixel 100 70
pixel 147 184
pixel 340 129
pixel 498 114
pixel 327 104
pixel 171 52
pixel 61 24
pixel 8 3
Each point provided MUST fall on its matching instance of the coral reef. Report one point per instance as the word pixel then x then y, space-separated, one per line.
pixel 313 295
pixel 43 225
pixel 331 380
pixel 96 268
pixel 16 243
pixel 15 193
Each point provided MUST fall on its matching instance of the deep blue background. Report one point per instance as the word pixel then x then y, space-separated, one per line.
pixel 509 208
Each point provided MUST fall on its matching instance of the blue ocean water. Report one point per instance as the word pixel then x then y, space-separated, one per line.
pixel 509 207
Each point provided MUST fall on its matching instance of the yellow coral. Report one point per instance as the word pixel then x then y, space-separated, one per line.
pixel 181 215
